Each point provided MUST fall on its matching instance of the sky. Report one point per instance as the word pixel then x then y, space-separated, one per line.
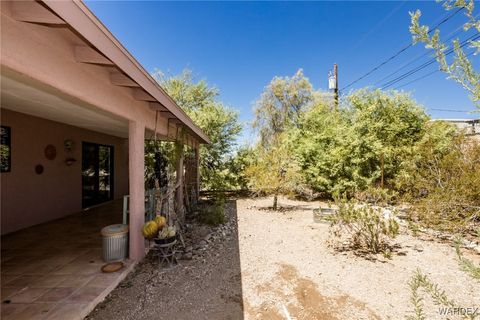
pixel 240 46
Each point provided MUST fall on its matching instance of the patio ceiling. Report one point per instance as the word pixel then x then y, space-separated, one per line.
pixel 24 95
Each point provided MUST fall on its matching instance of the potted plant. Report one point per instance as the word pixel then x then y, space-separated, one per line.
pixel 166 235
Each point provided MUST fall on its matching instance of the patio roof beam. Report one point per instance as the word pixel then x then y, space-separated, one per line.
pixel 121 79
pixel 156 106
pixel 34 12
pixel 85 54
pixel 140 94
pixel 166 114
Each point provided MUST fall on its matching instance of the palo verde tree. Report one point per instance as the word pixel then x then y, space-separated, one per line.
pixel 280 105
pixel 274 171
pixel 278 108
pixel 460 68
pixel 220 123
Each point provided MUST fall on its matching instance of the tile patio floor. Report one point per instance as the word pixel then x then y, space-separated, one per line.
pixel 52 270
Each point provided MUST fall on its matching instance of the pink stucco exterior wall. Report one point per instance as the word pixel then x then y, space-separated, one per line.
pixel 28 198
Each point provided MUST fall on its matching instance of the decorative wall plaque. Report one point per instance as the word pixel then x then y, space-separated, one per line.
pixel 38 169
pixel 50 152
pixel 68 144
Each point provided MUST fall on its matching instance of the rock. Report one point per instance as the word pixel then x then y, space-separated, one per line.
pixel 187 256
pixel 469 244
pixel 387 214
pixel 178 255
pixel 477 249
pixel 418 248
pixel 188 249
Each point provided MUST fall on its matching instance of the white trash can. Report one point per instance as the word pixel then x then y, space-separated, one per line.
pixel 115 242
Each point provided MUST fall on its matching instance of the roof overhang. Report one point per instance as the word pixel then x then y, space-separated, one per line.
pixel 102 48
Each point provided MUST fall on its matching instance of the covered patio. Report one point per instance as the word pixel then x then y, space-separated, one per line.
pixel 76 110
pixel 52 270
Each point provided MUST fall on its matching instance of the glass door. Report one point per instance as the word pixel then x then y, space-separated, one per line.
pixel 97 173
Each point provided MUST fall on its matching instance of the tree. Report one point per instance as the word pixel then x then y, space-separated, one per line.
pixel 460 69
pixel 280 104
pixel 237 164
pixel 322 144
pixel 343 152
pixel 274 171
pixel 279 107
pixel 220 123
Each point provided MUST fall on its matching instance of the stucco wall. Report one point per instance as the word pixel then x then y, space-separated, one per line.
pixel 28 198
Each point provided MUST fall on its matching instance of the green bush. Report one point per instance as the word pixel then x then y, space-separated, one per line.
pixel 212 211
pixel 363 226
pixel 220 123
pixel 344 151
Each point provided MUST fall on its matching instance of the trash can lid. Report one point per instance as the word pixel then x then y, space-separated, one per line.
pixel 114 230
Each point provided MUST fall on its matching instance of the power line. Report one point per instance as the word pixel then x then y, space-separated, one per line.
pixel 451 110
pixel 401 51
pixel 450 36
pixel 426 64
pixel 417 79
pixel 426 75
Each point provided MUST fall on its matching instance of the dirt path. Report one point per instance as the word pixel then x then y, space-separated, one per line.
pixel 277 265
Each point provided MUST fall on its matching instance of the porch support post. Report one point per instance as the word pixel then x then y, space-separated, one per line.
pixel 196 171
pixel 136 164
pixel 180 182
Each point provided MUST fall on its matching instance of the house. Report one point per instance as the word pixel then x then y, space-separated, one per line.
pixel 76 108
pixel 471 127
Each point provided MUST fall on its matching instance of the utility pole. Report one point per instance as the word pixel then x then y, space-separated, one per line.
pixel 335 74
pixel 333 84
pixel 381 169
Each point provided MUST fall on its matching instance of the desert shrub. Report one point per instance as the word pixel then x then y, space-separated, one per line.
pixel 212 211
pixel 420 281
pixel 377 196
pixel 442 180
pixel 466 265
pixel 363 226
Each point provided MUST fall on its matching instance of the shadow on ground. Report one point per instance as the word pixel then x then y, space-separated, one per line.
pixel 207 287
pixel 287 208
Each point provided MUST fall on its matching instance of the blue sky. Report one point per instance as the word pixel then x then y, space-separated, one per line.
pixel 241 46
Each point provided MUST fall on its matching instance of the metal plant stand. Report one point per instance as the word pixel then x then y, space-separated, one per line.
pixel 167 252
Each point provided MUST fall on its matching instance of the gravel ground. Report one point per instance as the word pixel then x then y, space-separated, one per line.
pixel 277 265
